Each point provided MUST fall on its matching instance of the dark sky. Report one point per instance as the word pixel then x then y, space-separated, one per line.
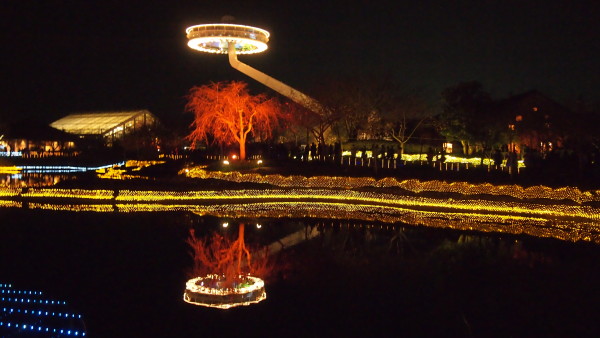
pixel 60 57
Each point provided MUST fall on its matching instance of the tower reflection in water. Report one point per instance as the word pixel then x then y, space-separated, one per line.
pixel 227 272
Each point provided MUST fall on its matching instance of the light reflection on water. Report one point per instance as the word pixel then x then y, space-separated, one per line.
pixel 32 180
pixel 336 276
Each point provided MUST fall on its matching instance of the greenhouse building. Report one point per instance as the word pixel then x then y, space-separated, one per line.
pixel 111 125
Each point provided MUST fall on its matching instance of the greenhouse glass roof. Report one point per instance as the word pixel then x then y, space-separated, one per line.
pixel 102 123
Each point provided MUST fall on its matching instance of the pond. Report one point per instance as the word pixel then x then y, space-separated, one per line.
pixel 126 274
pixel 19 180
pixel 44 175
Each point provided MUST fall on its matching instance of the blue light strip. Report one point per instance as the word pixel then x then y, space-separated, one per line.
pixel 24 320
pixel 63 169
pixel 19 292
pixel 34 301
pixel 41 313
pixel 21 326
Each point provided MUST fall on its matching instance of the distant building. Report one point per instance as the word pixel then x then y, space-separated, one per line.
pixel 30 138
pixel 535 121
pixel 109 125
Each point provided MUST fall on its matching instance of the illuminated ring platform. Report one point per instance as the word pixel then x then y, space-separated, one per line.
pixel 198 294
pixel 215 38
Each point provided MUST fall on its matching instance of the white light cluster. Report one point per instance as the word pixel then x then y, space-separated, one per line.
pixel 215 38
pixel 195 285
pixel 224 298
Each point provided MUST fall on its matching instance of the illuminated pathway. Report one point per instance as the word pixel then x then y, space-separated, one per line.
pixel 566 221
pixel 564 213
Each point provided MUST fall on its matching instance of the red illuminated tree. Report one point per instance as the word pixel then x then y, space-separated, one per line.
pixel 227 113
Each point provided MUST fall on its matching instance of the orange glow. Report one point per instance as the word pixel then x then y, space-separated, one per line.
pixel 230 272
pixel 227 113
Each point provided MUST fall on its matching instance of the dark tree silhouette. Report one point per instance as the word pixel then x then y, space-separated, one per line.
pixel 409 113
pixel 468 116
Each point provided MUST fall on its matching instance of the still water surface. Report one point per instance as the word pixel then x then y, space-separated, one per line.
pixel 33 179
pixel 126 274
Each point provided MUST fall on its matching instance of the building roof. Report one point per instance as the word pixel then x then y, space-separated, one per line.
pixel 526 101
pixel 98 123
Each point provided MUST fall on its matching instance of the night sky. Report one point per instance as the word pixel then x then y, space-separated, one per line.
pixel 60 57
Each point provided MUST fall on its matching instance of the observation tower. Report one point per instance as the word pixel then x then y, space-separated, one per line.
pixel 232 39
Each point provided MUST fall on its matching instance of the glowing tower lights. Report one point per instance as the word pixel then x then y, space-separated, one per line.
pixel 232 39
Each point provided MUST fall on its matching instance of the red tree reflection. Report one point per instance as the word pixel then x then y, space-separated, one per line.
pixel 228 258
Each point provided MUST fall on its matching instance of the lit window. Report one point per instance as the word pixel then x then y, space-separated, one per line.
pixel 519 118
